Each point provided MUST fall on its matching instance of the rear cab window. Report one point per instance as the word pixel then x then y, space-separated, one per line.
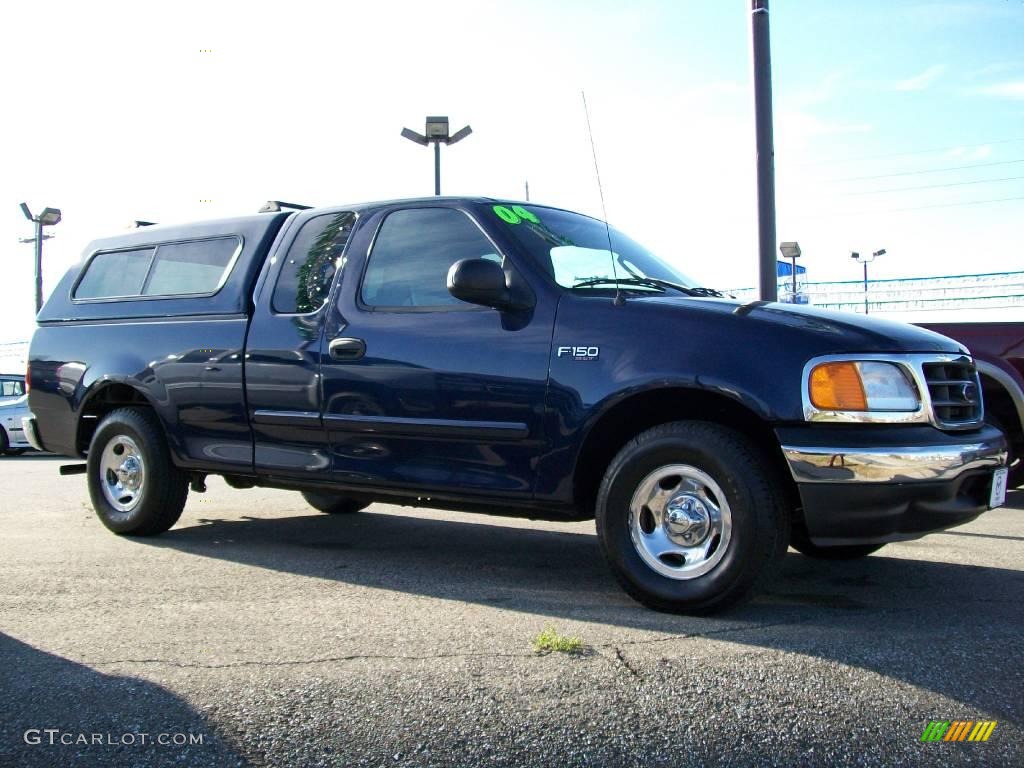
pixel 183 268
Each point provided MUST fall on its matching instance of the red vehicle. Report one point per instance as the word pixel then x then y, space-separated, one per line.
pixel 998 350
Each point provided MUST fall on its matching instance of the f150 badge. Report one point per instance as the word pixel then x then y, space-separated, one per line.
pixel 579 353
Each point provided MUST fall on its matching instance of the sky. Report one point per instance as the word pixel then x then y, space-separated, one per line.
pixel 898 125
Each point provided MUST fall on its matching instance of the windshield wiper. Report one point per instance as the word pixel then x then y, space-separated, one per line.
pixel 707 292
pixel 652 282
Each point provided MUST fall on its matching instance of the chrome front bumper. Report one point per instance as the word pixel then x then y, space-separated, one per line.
pixel 871 485
pixel 888 464
pixel 28 424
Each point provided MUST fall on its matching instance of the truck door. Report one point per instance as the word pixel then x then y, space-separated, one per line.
pixel 282 361
pixel 425 392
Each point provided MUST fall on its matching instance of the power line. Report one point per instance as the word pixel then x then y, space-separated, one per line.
pixel 947 205
pixel 883 211
pixel 932 186
pixel 911 152
pixel 931 170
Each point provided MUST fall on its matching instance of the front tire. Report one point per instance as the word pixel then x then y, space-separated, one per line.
pixel 690 519
pixel 334 503
pixel 135 488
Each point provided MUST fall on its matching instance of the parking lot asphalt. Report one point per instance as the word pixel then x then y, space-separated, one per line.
pixel 266 633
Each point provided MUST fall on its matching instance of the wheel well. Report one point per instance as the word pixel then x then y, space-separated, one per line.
pixel 999 403
pixel 640 412
pixel 106 399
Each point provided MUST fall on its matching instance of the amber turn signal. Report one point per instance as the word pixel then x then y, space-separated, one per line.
pixel 838 387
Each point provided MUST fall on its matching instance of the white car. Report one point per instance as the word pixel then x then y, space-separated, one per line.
pixel 12 435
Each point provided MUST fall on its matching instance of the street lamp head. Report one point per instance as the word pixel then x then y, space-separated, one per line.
pixel 411 135
pixel 27 212
pixel 790 249
pixel 49 217
pixel 437 128
pixel 460 134
pixel 879 252
pixel 854 255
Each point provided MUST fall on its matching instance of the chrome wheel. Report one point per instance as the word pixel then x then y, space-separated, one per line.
pixel 122 473
pixel 680 521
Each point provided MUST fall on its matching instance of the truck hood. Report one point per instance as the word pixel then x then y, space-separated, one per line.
pixel 840 331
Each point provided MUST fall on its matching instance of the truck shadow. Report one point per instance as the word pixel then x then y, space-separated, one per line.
pixel 912 620
pixel 40 691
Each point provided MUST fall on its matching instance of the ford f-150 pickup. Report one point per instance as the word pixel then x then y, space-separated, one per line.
pixel 507 358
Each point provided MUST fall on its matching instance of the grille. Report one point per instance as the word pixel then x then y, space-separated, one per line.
pixel 955 392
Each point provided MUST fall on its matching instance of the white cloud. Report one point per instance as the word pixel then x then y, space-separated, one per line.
pixel 920 82
pixel 1011 90
pixel 821 91
pixel 802 125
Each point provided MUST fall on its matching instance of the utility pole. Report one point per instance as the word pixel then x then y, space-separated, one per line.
pixel 762 61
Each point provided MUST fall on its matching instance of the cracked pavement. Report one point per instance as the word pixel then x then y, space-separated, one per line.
pixel 401 636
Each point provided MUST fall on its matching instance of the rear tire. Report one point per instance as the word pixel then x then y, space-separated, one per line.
pixel 804 546
pixel 334 503
pixel 4 442
pixel 690 518
pixel 135 488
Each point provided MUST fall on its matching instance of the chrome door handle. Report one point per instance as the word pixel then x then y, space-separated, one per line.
pixel 347 349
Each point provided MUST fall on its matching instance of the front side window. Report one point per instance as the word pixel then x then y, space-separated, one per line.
pixel 412 254
pixel 312 259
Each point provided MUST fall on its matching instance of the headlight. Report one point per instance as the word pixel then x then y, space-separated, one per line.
pixel 861 390
pixel 862 386
pixel 881 388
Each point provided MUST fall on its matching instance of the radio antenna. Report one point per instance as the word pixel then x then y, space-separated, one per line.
pixel 619 300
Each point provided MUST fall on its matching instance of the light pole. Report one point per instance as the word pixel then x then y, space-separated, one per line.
pixel 791 251
pixel 765 142
pixel 865 260
pixel 47 218
pixel 437 134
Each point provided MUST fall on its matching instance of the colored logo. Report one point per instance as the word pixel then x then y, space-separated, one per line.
pixel 958 730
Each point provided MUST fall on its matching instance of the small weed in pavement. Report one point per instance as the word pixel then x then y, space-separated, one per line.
pixel 549 640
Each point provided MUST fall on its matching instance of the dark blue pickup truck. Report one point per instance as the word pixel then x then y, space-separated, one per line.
pixel 512 359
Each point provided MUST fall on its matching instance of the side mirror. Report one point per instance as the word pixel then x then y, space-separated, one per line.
pixel 479 281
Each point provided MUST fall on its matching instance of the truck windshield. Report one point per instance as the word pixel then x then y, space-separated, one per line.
pixel 574 250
